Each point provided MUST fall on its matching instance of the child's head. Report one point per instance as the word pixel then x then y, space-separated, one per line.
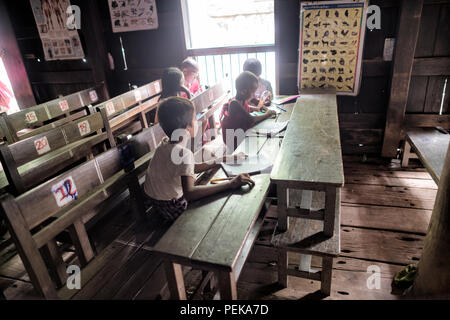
pixel 253 65
pixel 246 85
pixel 172 79
pixel 177 113
pixel 190 69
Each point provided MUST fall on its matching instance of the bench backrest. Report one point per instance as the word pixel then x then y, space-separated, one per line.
pixel 26 151
pixel 119 104
pixel 46 116
pixel 206 99
pixel 66 199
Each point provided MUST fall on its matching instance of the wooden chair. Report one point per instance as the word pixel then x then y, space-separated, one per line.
pixel 68 201
pixel 44 117
pixel 28 162
pixel 124 110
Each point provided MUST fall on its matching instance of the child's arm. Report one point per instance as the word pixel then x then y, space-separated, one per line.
pixel 192 192
pixel 267 115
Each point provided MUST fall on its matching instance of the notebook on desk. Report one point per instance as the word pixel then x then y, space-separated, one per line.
pixel 252 165
pixel 269 128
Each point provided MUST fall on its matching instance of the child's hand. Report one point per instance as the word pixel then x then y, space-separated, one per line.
pixel 241 180
pixel 271 113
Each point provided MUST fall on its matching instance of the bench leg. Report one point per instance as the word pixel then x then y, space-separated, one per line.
pixel 283 201
pixel 326 275
pixel 331 203
pixel 282 267
pixel 143 120
pixel 175 281
pixel 81 242
pixel 406 155
pixel 53 259
pixel 227 285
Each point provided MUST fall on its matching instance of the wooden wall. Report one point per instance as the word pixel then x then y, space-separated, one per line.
pixel 363 118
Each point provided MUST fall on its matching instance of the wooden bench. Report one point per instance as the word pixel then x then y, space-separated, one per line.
pixel 310 159
pixel 217 233
pixel 44 117
pixel 126 109
pixel 67 202
pixel 28 162
pixel 430 146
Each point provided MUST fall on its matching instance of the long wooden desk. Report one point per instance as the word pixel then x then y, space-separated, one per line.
pixel 431 146
pixel 310 160
pixel 216 234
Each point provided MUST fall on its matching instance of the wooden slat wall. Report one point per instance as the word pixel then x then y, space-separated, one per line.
pixel 364 115
pixel 425 94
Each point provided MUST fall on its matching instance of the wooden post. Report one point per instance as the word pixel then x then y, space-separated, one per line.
pixel 12 58
pixel 433 277
pixel 407 35
pixel 174 274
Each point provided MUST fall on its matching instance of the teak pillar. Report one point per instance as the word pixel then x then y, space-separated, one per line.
pixel 433 277
pixel 407 35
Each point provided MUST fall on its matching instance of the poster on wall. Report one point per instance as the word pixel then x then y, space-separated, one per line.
pixel 133 15
pixel 58 41
pixel 331 45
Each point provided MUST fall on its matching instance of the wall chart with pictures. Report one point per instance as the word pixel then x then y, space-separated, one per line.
pixel 331 45
pixel 58 41
pixel 133 15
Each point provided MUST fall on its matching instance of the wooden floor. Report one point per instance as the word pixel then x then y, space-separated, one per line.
pixel 385 214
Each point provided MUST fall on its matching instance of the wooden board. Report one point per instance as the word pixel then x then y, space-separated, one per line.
pixel 431 147
pixel 215 222
pixel 311 150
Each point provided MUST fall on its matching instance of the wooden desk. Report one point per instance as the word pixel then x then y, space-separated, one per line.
pixel 431 146
pixel 310 160
pixel 216 234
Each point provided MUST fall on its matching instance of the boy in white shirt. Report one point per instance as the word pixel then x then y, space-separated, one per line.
pixel 170 179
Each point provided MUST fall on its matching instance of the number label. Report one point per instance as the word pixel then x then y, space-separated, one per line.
pixel 64 105
pixel 137 95
pixel 110 108
pixel 42 146
pixel 84 127
pixel 65 191
pixel 157 87
pixel 93 95
pixel 31 117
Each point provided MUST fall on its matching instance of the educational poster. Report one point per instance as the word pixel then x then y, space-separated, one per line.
pixel 133 15
pixel 331 45
pixel 58 41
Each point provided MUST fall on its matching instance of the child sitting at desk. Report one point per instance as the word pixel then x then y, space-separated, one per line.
pixel 235 114
pixel 172 86
pixel 264 93
pixel 190 70
pixel 169 183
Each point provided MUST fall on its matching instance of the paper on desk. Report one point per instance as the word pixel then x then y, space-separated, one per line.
pixel 252 165
pixel 269 128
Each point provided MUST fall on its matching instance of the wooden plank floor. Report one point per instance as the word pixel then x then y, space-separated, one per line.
pixel 385 214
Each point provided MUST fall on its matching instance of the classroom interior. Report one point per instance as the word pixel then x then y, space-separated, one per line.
pixel 356 204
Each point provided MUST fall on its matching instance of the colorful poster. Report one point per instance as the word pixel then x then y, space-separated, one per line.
pixel 331 45
pixel 133 15
pixel 58 41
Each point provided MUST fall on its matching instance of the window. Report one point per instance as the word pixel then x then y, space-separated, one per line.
pixel 221 35
pixel 230 23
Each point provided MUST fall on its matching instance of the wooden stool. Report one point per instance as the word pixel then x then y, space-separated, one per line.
pixel 306 235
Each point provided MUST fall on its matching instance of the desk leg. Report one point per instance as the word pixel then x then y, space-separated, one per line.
pixel 326 275
pixel 227 285
pixel 174 275
pixel 282 267
pixel 283 201
pixel 331 203
pixel 406 155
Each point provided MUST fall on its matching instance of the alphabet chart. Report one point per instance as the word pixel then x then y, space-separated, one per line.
pixel 331 45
